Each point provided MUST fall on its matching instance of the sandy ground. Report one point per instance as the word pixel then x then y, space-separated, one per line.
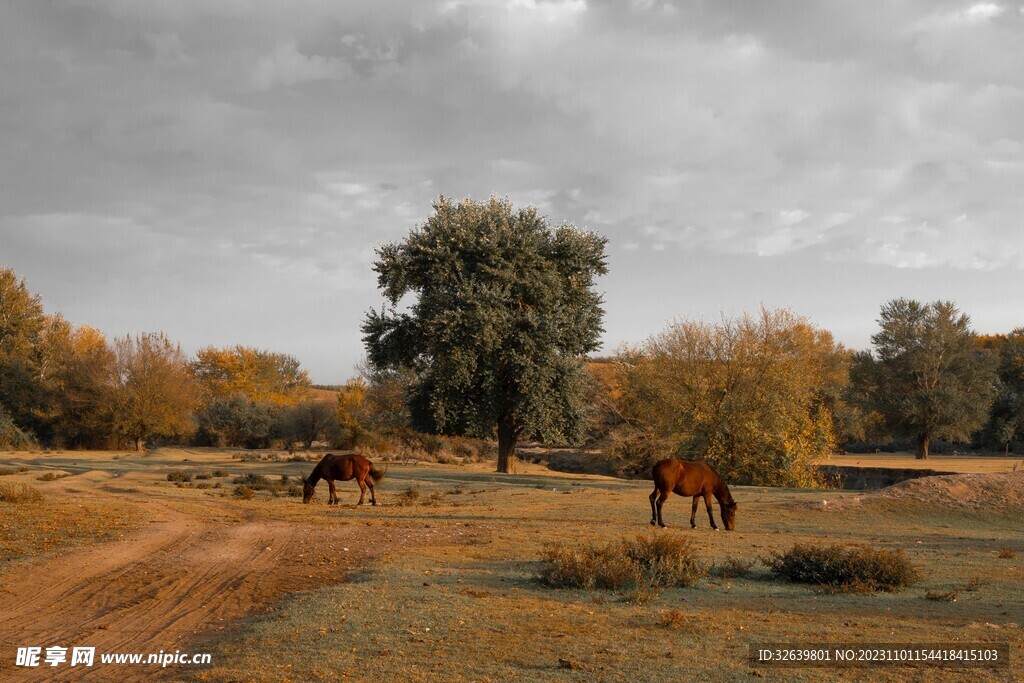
pixel 192 568
pixel 444 589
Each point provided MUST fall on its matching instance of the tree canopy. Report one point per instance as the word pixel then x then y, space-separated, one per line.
pixel 501 308
pixel 754 395
pixel 927 376
pixel 258 375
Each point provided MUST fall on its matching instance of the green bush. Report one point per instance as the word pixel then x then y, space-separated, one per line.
pixel 846 569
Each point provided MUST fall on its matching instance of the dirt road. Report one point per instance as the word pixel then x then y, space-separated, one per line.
pixel 181 575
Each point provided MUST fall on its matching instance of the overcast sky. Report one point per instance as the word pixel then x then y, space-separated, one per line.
pixel 223 170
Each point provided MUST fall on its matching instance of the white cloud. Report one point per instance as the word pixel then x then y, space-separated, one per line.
pixel 287 66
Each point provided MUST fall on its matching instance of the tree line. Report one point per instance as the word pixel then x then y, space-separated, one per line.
pixel 69 387
pixel 489 316
pixel 490 312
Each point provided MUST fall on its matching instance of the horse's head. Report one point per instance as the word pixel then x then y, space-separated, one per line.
pixel 307 490
pixel 729 515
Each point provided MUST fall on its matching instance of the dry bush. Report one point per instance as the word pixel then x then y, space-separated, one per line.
pixel 643 564
pixel 244 492
pixel 665 559
pixel 19 493
pixel 434 498
pixel 4 473
pixel 179 476
pixel 204 475
pixel 258 482
pixel 51 476
pixel 941 596
pixel 673 619
pixel 587 566
pixel 732 568
pixel 410 496
pixel 844 569
pixel 1005 554
pixel 221 473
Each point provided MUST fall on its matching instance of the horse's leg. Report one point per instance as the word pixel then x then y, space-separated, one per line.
pixel 373 495
pixel 711 514
pixel 661 501
pixel 362 488
pixel 334 493
pixel 654 508
pixel 693 513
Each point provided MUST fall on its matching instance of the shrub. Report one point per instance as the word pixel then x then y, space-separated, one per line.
pixel 588 566
pixel 1005 554
pixel 673 619
pixel 941 596
pixel 665 559
pixel 179 476
pixel 244 492
pixel 204 475
pixel 408 497
pixel 845 569
pixel 221 473
pixel 19 493
pixel 255 481
pixel 50 476
pixel 645 563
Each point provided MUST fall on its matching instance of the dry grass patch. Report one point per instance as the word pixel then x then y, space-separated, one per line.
pixel 732 568
pixel 35 529
pixel 859 569
pixel 1005 554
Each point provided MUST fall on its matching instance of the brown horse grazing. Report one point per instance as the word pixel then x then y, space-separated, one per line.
pixel 695 479
pixel 342 468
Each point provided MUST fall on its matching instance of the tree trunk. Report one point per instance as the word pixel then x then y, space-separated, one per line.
pixel 507 437
pixel 922 446
pixel 138 444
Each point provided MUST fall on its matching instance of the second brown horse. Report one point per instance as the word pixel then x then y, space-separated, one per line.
pixel 695 479
pixel 342 468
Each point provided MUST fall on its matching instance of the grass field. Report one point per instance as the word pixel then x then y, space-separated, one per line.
pixel 440 585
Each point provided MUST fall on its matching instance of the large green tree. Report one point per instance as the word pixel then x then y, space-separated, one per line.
pixel 499 308
pixel 926 377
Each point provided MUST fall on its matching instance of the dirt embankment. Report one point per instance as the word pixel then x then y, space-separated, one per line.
pixel 993 492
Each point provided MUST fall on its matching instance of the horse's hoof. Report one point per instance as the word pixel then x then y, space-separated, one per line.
pixel 714 528
pixel 653 523
pixel 663 526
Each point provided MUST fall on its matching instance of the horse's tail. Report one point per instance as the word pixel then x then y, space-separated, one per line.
pixel 376 474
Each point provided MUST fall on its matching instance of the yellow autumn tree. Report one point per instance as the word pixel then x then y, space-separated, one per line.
pixel 258 375
pixel 753 395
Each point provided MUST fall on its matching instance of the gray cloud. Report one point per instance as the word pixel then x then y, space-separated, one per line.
pixel 198 166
